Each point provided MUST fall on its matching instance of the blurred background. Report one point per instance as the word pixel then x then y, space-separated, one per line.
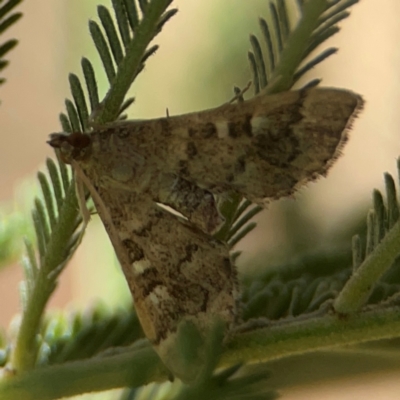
pixel 203 53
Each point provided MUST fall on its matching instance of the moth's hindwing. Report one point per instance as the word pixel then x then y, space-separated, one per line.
pixel 175 272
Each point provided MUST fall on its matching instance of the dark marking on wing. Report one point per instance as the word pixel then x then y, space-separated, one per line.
pixel 240 127
pixel 135 252
pixel 191 149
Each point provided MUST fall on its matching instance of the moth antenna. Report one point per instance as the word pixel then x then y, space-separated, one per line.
pixel 239 93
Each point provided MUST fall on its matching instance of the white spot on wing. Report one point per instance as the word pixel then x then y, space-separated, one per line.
pixel 222 129
pixel 140 266
pixel 159 293
pixel 259 125
pixel 154 298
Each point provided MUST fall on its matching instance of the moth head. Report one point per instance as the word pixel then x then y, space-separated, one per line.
pixel 74 146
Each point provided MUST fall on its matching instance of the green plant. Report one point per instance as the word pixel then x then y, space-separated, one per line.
pixel 290 310
pixel 9 225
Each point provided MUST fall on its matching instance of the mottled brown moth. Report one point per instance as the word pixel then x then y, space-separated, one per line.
pixel 263 148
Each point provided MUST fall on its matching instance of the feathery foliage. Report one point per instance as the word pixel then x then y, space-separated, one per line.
pixel 9 226
pixel 58 234
pixel 287 57
pixel 12 227
pixel 7 18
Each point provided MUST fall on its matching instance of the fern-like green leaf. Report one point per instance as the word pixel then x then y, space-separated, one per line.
pixel 7 19
pixel 382 249
pixel 56 228
pixel 90 333
pixel 91 83
pixel 317 23
pixel 80 102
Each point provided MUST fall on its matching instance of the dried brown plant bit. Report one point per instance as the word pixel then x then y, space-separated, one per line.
pixel 262 148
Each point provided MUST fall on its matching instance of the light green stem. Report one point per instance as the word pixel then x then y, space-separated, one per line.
pixel 135 368
pixel 357 289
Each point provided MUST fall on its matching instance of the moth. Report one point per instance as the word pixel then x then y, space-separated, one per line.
pixel 263 148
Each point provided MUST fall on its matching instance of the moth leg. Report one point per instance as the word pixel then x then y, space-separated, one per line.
pixel 196 204
pixel 80 192
pixel 239 94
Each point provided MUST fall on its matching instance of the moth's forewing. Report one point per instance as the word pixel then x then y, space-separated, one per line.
pixel 262 148
pixel 265 147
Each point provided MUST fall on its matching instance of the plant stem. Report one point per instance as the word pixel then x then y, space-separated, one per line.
pixel 129 369
pixel 138 367
pixel 357 289
pixel 292 338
